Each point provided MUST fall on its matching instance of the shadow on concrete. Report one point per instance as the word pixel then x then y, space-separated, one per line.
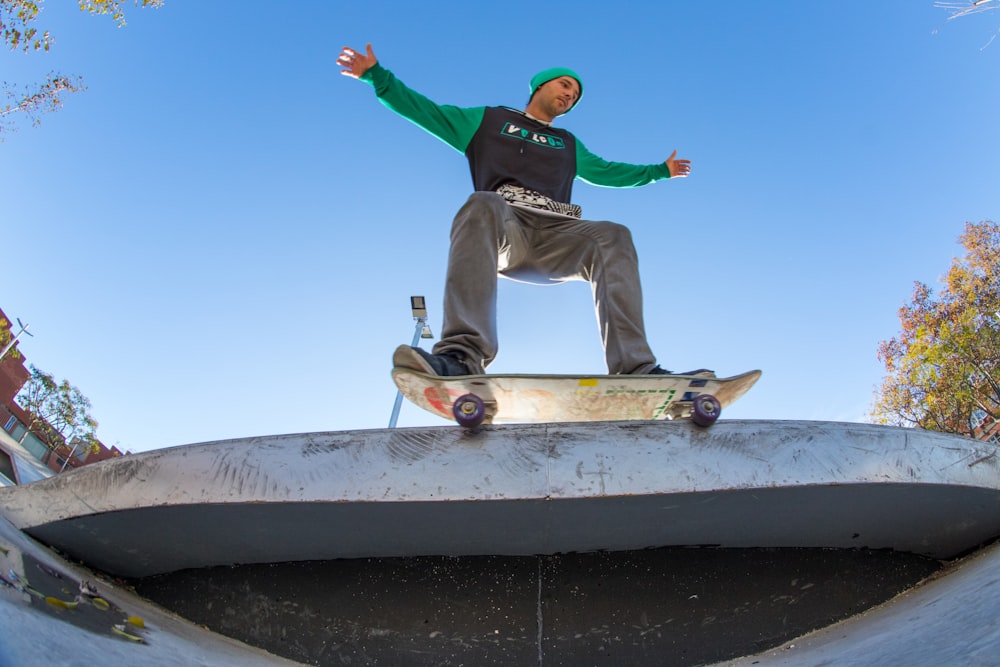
pixel 670 606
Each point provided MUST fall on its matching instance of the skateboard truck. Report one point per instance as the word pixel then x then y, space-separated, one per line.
pixel 471 411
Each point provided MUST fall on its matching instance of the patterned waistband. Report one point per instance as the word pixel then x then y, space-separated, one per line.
pixel 515 194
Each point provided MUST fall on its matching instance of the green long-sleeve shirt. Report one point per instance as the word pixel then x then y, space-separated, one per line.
pixel 504 145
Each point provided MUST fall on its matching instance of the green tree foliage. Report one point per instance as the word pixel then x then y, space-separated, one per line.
pixel 943 368
pixel 5 336
pixel 59 412
pixel 33 101
pixel 17 19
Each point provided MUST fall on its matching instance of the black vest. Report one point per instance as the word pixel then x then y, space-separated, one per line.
pixel 510 147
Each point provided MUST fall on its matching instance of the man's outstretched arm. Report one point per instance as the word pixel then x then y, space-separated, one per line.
pixel 453 125
pixel 598 171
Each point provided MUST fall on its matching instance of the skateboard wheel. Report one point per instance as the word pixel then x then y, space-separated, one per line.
pixel 705 409
pixel 469 410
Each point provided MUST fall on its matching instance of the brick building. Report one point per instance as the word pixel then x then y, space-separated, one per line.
pixel 988 429
pixel 13 419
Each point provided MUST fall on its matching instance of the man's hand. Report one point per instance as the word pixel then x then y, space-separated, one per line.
pixel 678 168
pixel 355 64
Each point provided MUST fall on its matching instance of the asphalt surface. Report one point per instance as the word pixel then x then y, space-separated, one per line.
pixel 672 606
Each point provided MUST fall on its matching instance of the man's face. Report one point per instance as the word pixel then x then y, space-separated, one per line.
pixel 558 96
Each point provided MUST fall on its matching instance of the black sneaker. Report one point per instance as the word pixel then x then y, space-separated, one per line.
pixel 700 373
pixel 414 358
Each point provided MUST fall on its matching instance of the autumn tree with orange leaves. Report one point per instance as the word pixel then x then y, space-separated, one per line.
pixel 943 368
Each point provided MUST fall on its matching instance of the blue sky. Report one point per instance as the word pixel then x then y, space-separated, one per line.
pixel 219 237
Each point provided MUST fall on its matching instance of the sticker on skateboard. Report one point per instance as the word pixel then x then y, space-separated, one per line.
pixel 472 400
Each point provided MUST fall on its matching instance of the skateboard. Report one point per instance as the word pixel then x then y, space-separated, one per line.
pixel 472 400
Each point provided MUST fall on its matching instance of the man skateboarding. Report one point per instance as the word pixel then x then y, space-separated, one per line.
pixel 520 222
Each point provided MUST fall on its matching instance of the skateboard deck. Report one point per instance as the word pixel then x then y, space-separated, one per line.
pixel 572 398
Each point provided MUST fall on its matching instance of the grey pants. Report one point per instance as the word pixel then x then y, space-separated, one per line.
pixel 491 237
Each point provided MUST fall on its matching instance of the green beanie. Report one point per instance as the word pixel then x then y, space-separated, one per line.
pixel 545 76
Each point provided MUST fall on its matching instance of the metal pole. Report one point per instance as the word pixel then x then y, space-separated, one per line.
pixel 71 452
pixel 421 322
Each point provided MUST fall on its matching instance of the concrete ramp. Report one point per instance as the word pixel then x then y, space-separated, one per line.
pixel 545 489
pixel 45 620
pixel 519 490
pixel 950 620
